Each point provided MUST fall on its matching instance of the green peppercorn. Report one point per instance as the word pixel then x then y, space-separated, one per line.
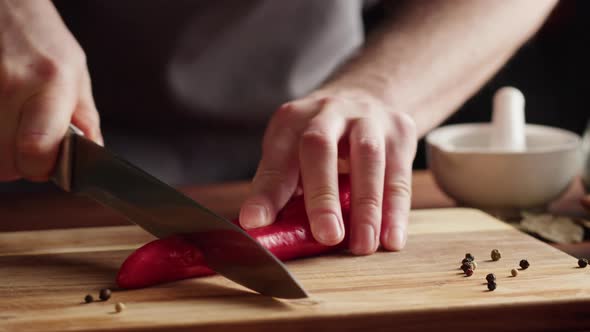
pixel 469 272
pixel 474 265
pixel 491 277
pixel 514 272
pixel 582 262
pixel 492 286
pixel 524 264
pixel 88 298
pixel 469 256
pixel 105 294
pixel 496 255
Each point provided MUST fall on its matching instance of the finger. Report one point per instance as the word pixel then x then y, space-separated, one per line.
pixel 278 171
pixel 318 155
pixel 44 119
pixel 86 116
pixel 367 161
pixel 400 152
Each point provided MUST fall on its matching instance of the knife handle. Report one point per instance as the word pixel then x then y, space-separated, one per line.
pixel 62 175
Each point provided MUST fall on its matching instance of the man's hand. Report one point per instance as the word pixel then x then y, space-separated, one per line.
pixel 425 60
pixel 44 85
pixel 306 137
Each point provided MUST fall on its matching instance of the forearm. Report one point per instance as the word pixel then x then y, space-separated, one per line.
pixel 432 55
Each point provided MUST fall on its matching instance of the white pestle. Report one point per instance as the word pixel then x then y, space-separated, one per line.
pixel 508 121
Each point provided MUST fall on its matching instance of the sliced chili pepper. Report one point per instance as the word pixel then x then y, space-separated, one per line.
pixel 175 258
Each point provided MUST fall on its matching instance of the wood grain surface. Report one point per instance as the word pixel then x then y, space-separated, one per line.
pixel 44 276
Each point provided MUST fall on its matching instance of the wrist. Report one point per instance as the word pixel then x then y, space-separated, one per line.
pixel 365 85
pixel 373 91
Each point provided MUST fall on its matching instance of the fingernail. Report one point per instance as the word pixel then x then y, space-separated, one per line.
pixel 396 238
pixel 364 240
pixel 328 229
pixel 253 216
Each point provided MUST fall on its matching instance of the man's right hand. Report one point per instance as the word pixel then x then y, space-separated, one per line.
pixel 44 86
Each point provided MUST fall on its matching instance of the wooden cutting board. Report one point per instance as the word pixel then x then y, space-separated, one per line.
pixel 44 276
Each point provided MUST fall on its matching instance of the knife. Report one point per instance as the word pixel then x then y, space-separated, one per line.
pixel 85 168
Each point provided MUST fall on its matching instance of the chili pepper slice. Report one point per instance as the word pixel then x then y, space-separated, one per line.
pixel 175 258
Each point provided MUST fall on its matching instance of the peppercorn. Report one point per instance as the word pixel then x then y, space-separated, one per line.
pixel 469 272
pixel 119 307
pixel 474 265
pixel 582 262
pixel 469 256
pixel 491 277
pixel 466 260
pixel 524 264
pixel 105 294
pixel 514 272
pixel 492 286
pixel 496 255
pixel 88 298
pixel 466 266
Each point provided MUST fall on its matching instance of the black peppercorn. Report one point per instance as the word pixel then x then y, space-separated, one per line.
pixel 466 260
pixel 466 266
pixel 469 272
pixel 524 264
pixel 496 255
pixel 491 277
pixel 105 294
pixel 492 286
pixel 88 298
pixel 469 257
pixel 582 262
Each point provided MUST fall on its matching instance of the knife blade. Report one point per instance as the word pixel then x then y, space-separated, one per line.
pixel 85 168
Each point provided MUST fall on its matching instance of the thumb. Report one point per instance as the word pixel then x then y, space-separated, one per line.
pixel 86 116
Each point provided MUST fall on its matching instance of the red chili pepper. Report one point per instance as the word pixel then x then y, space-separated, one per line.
pixel 175 258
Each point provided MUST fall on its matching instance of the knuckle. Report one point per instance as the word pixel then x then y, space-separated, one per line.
pixel 33 144
pixel 50 70
pixel 398 188
pixel 372 202
pixel 284 113
pixel 278 142
pixel 317 139
pixel 329 100
pixel 270 176
pixel 332 102
pixel 404 124
pixel 322 195
pixel 369 148
pixel 365 105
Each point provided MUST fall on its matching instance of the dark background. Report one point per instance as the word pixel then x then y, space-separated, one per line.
pixel 551 70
